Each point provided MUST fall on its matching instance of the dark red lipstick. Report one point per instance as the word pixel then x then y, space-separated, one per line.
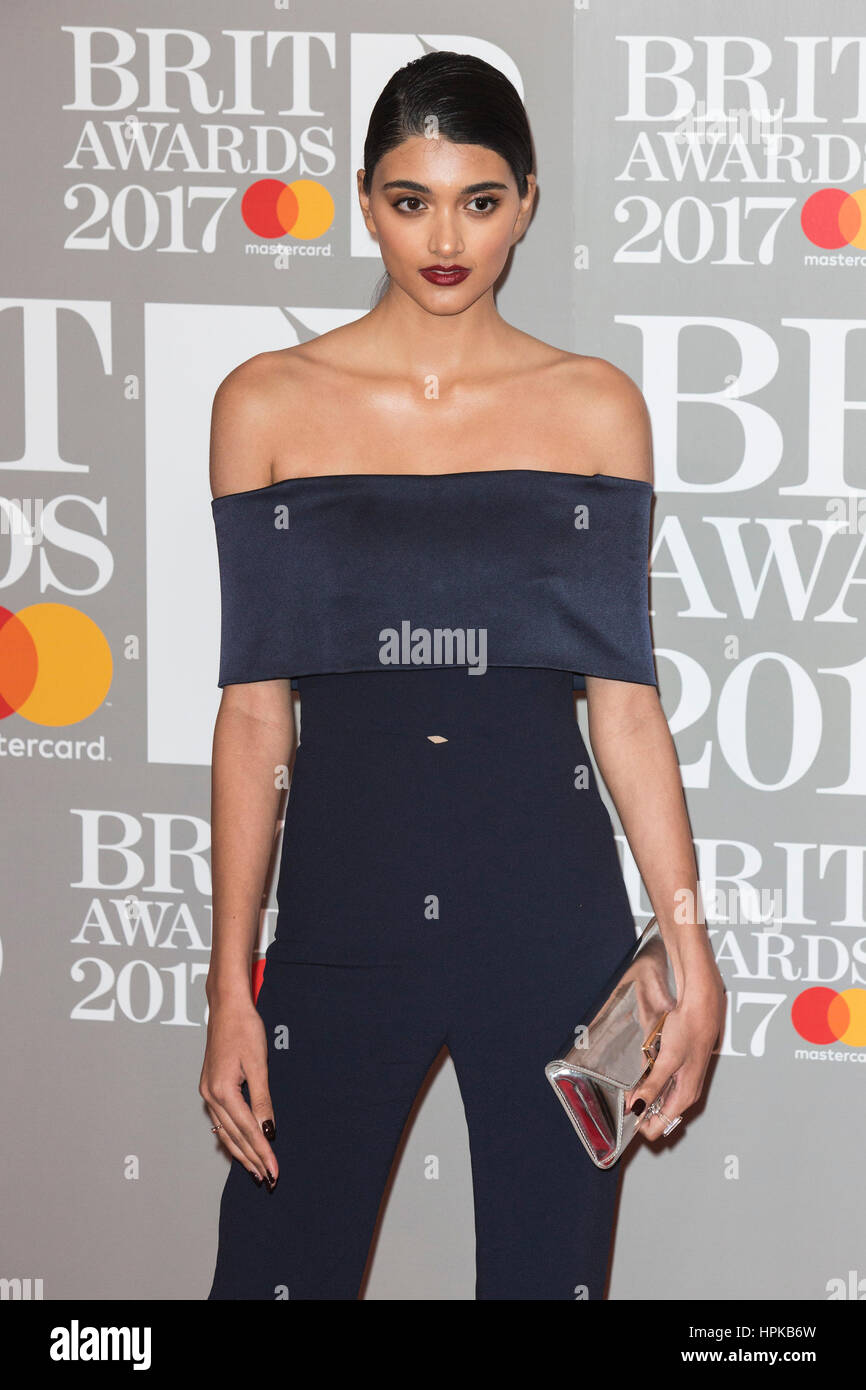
pixel 445 274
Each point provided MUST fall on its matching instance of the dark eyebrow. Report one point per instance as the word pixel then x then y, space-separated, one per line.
pixel 422 187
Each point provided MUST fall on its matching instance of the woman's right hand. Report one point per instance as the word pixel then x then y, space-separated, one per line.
pixel 237 1051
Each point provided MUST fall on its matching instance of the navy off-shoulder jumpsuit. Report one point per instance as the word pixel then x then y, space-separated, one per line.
pixel 449 874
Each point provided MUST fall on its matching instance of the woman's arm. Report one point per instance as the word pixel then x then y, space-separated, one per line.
pixel 253 740
pixel 254 737
pixel 637 759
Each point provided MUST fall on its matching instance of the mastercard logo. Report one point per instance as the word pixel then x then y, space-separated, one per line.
pixel 55 664
pixel 822 1015
pixel 832 218
pixel 303 209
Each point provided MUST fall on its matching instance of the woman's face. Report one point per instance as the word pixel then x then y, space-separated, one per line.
pixel 436 204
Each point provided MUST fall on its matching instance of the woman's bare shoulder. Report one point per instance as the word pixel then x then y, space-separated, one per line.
pixel 605 417
pixel 250 409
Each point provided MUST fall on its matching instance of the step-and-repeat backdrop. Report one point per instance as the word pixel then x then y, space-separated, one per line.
pixel 702 223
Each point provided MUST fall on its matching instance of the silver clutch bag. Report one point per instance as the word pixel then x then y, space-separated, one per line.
pixel 615 1048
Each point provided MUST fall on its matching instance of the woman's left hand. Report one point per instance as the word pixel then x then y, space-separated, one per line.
pixel 689 1035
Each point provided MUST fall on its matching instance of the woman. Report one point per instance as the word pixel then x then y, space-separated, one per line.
pixel 416 500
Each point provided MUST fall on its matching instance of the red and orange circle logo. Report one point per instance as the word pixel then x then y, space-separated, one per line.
pixel 55 664
pixel 832 218
pixel 302 209
pixel 823 1015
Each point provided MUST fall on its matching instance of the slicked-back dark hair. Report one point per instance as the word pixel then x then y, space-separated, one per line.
pixel 465 99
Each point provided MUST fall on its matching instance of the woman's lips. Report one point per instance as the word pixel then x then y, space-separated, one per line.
pixel 445 275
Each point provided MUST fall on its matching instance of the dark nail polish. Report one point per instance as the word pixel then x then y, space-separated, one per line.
pixel 271 1179
pixel 638 1106
pixel 255 1177
pixel 269 1131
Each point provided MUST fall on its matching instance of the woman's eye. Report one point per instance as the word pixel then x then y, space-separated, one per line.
pixel 412 203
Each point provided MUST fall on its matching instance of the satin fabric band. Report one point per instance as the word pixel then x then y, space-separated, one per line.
pixel 536 568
